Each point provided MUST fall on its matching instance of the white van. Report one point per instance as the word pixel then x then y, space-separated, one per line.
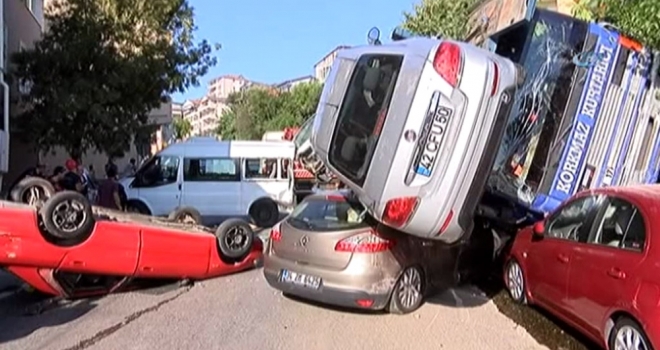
pixel 210 180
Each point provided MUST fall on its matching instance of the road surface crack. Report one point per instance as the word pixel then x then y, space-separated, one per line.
pixel 86 343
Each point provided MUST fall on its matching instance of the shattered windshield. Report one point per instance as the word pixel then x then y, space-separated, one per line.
pixel 533 143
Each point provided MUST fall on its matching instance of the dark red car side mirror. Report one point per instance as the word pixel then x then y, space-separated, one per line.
pixel 539 229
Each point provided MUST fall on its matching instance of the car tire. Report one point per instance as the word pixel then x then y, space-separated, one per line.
pixel 264 213
pixel 67 215
pixel 186 215
pixel 137 207
pixel 514 281
pixel 33 191
pixel 627 330
pixel 235 238
pixel 408 292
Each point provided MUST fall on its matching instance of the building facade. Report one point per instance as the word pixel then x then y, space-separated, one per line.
pixel 22 25
pixel 290 84
pixel 322 67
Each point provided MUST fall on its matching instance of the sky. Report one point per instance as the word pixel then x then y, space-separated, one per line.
pixel 271 41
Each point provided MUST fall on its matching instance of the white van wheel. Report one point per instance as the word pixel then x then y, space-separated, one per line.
pixel 186 215
pixel 264 212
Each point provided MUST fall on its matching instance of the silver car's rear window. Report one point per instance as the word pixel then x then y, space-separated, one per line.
pixel 319 214
pixel 362 114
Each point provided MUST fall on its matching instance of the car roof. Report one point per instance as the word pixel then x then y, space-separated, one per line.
pixel 645 194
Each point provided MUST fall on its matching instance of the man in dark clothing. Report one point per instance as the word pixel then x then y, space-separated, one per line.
pixel 109 192
pixel 110 165
pixel 71 180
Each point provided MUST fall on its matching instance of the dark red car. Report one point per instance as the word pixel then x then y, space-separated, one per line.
pixel 68 249
pixel 595 263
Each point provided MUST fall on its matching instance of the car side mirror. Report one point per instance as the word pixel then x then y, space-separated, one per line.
pixel 539 229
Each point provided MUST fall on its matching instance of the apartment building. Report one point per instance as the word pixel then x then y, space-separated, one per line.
pixel 322 67
pixel 204 113
pixel 290 84
pixel 22 25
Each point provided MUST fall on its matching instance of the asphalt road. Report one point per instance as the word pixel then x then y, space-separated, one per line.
pixel 242 312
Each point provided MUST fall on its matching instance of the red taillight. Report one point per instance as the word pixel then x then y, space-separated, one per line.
pixel 445 224
pixel 398 210
pixel 496 79
pixel 365 303
pixel 448 62
pixel 364 243
pixel 275 234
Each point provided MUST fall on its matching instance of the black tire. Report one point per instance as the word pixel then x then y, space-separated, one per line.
pixel 67 215
pixel 625 324
pixel 514 281
pixel 398 305
pixel 264 212
pixel 137 207
pixel 235 238
pixel 186 215
pixel 27 189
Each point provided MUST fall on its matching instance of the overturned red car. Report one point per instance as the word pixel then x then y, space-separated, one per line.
pixel 68 249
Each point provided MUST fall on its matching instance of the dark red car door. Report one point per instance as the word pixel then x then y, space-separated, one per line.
pixel 602 275
pixel 549 258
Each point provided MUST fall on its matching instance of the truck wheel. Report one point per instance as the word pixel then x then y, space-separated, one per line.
pixel 32 191
pixel 186 215
pixel 235 238
pixel 67 215
pixel 264 212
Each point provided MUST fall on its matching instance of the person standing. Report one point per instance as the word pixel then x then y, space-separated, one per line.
pixel 71 180
pixel 111 165
pixel 109 192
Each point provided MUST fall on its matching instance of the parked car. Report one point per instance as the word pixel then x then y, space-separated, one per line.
pixel 205 181
pixel 594 263
pixel 68 249
pixel 329 250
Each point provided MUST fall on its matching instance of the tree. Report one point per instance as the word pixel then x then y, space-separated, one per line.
pixel 101 67
pixel 181 128
pixel 253 112
pixel 445 18
pixel 640 19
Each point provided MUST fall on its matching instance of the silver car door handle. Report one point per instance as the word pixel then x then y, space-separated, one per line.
pixel 427 244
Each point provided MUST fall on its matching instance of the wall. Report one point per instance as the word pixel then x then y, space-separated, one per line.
pixel 22 30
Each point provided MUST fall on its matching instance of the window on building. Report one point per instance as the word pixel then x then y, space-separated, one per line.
pixel 210 169
pixel 36 7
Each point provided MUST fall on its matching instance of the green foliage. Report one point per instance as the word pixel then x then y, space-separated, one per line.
pixel 254 111
pixel 101 67
pixel 446 18
pixel 639 19
pixel 181 128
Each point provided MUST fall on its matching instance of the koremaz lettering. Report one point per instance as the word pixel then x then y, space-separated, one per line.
pixel 569 170
pixel 596 86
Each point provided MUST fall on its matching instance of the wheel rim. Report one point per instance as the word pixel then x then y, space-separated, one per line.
pixel 236 238
pixel 34 196
pixel 629 338
pixel 515 281
pixel 410 288
pixel 69 215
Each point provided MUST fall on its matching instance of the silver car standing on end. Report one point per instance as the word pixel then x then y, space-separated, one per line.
pixel 413 128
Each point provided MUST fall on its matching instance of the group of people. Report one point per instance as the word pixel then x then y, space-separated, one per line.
pixel 73 176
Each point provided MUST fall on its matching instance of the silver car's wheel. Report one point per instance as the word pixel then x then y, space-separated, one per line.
pixel 515 281
pixel 628 335
pixel 408 292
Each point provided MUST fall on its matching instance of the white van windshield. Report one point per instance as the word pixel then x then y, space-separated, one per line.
pixel 362 114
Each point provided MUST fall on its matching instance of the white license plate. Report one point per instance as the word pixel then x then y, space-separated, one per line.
pixel 437 129
pixel 300 279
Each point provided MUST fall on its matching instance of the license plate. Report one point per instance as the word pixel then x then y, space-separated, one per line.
pixel 435 134
pixel 300 279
